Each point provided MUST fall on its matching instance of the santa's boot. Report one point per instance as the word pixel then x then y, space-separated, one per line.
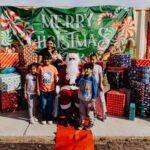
pixel 68 115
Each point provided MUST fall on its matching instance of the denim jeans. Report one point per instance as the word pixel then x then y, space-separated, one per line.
pixel 47 105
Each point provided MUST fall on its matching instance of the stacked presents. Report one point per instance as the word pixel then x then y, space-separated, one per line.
pixel 118 98
pixel 11 85
pixel 10 82
pixel 132 78
pixel 139 79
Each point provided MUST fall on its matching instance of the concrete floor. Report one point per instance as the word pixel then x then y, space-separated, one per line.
pixel 16 124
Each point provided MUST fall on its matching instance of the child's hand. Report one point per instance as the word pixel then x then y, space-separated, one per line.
pixel 25 96
pixel 101 87
pixel 83 72
pixel 38 92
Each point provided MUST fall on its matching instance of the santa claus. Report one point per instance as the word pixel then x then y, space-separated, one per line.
pixel 68 74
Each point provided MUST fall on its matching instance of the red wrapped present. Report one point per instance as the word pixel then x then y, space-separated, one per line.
pixel 115 102
pixel 140 62
pixel 102 64
pixel 9 60
pixel 8 101
pixel 26 56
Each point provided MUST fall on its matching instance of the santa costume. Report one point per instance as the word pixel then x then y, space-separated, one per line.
pixel 68 74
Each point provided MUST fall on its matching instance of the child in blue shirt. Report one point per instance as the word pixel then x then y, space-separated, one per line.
pixel 87 95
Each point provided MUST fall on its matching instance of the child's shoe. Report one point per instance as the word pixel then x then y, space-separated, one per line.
pixel 49 122
pixel 43 122
pixel 35 119
pixel 32 120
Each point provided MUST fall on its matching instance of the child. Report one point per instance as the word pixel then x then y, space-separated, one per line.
pixel 57 58
pixel 87 95
pixel 46 84
pixel 99 77
pixel 30 91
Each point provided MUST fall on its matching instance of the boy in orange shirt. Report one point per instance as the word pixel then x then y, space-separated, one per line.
pixel 46 86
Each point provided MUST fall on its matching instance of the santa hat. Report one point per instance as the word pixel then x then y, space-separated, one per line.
pixel 74 55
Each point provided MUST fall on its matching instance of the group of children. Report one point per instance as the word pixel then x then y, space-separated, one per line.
pixel 41 81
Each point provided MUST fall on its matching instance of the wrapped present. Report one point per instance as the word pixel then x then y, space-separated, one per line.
pixel 140 62
pixel 147 92
pixel 143 109
pixel 118 60
pixel 115 102
pixel 8 101
pixel 9 60
pixel 26 55
pixel 128 97
pixel 10 82
pixel 102 64
pixel 137 91
pixel 139 73
pixel 115 78
pixel 132 111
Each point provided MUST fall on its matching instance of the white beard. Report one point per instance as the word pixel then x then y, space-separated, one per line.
pixel 72 71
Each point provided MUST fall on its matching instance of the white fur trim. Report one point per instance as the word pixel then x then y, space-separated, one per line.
pixel 65 106
pixel 68 87
pixel 73 55
pixel 77 105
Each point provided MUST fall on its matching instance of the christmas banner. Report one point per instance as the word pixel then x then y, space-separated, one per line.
pixel 103 29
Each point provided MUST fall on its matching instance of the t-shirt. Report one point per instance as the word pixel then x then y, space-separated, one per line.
pixel 46 78
pixel 96 71
pixel 87 88
pixel 31 83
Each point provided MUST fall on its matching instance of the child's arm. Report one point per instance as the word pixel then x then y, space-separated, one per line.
pixel 79 79
pixel 25 89
pixel 94 89
pixel 38 83
pixel 101 82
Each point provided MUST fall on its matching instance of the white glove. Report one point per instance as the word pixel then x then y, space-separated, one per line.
pixel 57 89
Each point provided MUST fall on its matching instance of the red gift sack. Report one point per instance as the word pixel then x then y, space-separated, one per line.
pixel 8 101
pixel 9 60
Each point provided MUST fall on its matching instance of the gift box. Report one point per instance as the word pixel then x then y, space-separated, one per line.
pixel 118 60
pixel 8 101
pixel 102 64
pixel 137 91
pixel 115 102
pixel 128 97
pixel 147 92
pixel 26 55
pixel 115 78
pixel 140 62
pixel 143 109
pixel 10 82
pixel 132 111
pixel 139 73
pixel 9 60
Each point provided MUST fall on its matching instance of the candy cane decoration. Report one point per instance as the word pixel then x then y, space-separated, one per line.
pixel 101 16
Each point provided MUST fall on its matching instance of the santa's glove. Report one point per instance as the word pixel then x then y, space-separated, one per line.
pixel 57 89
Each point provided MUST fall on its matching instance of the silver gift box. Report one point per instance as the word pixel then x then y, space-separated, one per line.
pixel 10 82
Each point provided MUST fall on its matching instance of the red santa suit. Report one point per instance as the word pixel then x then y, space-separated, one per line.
pixel 68 91
pixel 68 74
